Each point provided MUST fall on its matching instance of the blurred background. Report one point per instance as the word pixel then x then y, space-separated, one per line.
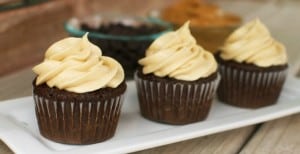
pixel 29 27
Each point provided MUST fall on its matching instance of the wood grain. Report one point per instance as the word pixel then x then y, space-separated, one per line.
pixel 137 7
pixel 16 84
pixel 26 33
pixel 276 137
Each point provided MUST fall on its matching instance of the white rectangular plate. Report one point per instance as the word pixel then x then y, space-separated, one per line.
pixel 19 130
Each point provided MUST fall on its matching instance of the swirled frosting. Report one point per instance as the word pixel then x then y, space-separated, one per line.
pixel 76 65
pixel 176 55
pixel 253 43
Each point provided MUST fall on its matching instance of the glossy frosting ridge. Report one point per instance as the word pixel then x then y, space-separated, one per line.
pixel 176 55
pixel 77 65
pixel 252 43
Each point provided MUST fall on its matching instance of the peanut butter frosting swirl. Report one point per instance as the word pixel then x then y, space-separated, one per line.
pixel 77 65
pixel 253 43
pixel 176 55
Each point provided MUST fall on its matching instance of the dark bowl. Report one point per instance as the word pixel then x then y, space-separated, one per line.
pixel 126 49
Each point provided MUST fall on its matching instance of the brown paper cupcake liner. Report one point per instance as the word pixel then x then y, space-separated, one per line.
pixel 77 122
pixel 250 88
pixel 175 103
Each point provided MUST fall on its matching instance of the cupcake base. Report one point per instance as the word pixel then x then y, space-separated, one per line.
pixel 249 86
pixel 174 101
pixel 72 118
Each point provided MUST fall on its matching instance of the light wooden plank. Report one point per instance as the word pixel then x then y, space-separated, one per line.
pixel 25 33
pixel 276 137
pixel 16 85
pixel 8 2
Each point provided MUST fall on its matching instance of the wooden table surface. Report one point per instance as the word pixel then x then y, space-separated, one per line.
pixel 276 137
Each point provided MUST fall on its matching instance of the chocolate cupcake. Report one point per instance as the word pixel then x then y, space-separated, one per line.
pixel 253 67
pixel 178 79
pixel 78 93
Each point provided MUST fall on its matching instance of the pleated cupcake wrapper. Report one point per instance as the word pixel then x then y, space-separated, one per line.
pixel 250 89
pixel 179 103
pixel 77 122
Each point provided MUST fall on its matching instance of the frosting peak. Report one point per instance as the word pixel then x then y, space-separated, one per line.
pixel 76 65
pixel 176 55
pixel 253 43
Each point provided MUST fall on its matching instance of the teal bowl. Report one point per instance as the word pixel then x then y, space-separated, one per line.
pixel 126 49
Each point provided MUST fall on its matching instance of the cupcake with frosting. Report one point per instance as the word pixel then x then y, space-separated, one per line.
pixel 177 79
pixel 78 93
pixel 253 66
